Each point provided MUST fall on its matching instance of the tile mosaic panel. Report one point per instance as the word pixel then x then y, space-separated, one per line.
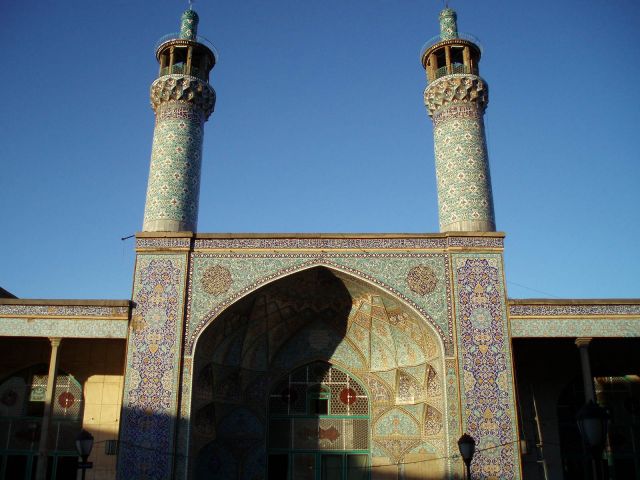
pixel 583 327
pixel 174 175
pixel 348 243
pixel 452 414
pixel 320 243
pixel 161 243
pixel 189 25
pixel 546 310
pixel 462 167
pixel 249 271
pixel 448 24
pixel 63 328
pixel 153 361
pixel 485 358
pixel 295 320
pixel 70 311
pixel 476 242
pixel 184 422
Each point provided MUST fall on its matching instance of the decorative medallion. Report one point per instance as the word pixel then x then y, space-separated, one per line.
pixel 422 279
pixel 348 396
pixel 66 399
pixel 216 280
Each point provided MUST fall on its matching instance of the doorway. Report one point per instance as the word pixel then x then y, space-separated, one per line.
pixel 318 426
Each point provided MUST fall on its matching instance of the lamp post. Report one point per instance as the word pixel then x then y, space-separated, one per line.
pixel 593 422
pixel 467 447
pixel 84 444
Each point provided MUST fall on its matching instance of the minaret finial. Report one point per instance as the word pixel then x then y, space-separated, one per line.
pixel 189 24
pixel 448 23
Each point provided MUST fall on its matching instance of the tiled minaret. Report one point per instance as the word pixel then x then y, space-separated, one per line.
pixel 456 98
pixel 182 100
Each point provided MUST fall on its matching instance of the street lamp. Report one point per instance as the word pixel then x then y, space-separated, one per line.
pixel 84 444
pixel 592 422
pixel 467 447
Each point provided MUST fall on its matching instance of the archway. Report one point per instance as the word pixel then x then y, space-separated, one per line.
pixel 316 315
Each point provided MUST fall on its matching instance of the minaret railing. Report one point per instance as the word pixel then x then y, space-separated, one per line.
pixel 462 36
pixel 199 39
pixel 182 70
pixel 455 69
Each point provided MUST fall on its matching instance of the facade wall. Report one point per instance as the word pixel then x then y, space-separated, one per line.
pixel 463 312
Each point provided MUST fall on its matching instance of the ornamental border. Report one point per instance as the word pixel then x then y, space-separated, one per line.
pixel 572 328
pixel 572 310
pixel 64 328
pixel 157 243
pixel 315 260
pixel 322 243
pixel 13 310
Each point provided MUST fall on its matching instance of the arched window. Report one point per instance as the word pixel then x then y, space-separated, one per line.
pixel 22 396
pixel 318 426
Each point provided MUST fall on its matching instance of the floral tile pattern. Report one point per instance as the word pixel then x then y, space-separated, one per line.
pixel 485 355
pixel 249 271
pixel 174 174
pixel 583 327
pixel 153 360
pixel 69 328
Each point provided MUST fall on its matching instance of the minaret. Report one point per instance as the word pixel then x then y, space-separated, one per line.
pixel 182 100
pixel 456 98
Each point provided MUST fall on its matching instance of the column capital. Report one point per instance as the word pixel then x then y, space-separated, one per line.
pixel 583 342
pixel 55 341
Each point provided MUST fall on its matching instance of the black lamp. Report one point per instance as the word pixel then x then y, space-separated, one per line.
pixel 592 422
pixel 467 447
pixel 84 444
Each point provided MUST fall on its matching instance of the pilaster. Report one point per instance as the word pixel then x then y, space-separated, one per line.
pixel 485 363
pixel 154 350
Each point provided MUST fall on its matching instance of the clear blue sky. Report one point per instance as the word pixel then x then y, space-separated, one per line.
pixel 320 127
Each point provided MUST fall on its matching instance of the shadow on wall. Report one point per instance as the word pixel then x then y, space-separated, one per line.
pixel 216 461
pixel 282 383
pixel 87 395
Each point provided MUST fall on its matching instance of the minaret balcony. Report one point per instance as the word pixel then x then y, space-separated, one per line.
pixel 175 38
pixel 458 55
pixel 194 56
pixel 452 69
pixel 465 37
pixel 181 69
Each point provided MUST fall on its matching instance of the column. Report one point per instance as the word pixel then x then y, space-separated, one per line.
pixel 43 448
pixel 587 378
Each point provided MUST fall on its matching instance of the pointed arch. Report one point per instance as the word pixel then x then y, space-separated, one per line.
pixel 318 311
pixel 218 310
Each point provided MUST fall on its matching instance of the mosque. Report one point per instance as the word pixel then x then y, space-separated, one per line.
pixel 317 356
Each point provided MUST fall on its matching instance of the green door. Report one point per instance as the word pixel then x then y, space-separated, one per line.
pixel 318 426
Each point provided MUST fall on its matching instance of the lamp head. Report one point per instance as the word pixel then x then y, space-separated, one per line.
pixel 84 444
pixel 467 447
pixel 592 422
